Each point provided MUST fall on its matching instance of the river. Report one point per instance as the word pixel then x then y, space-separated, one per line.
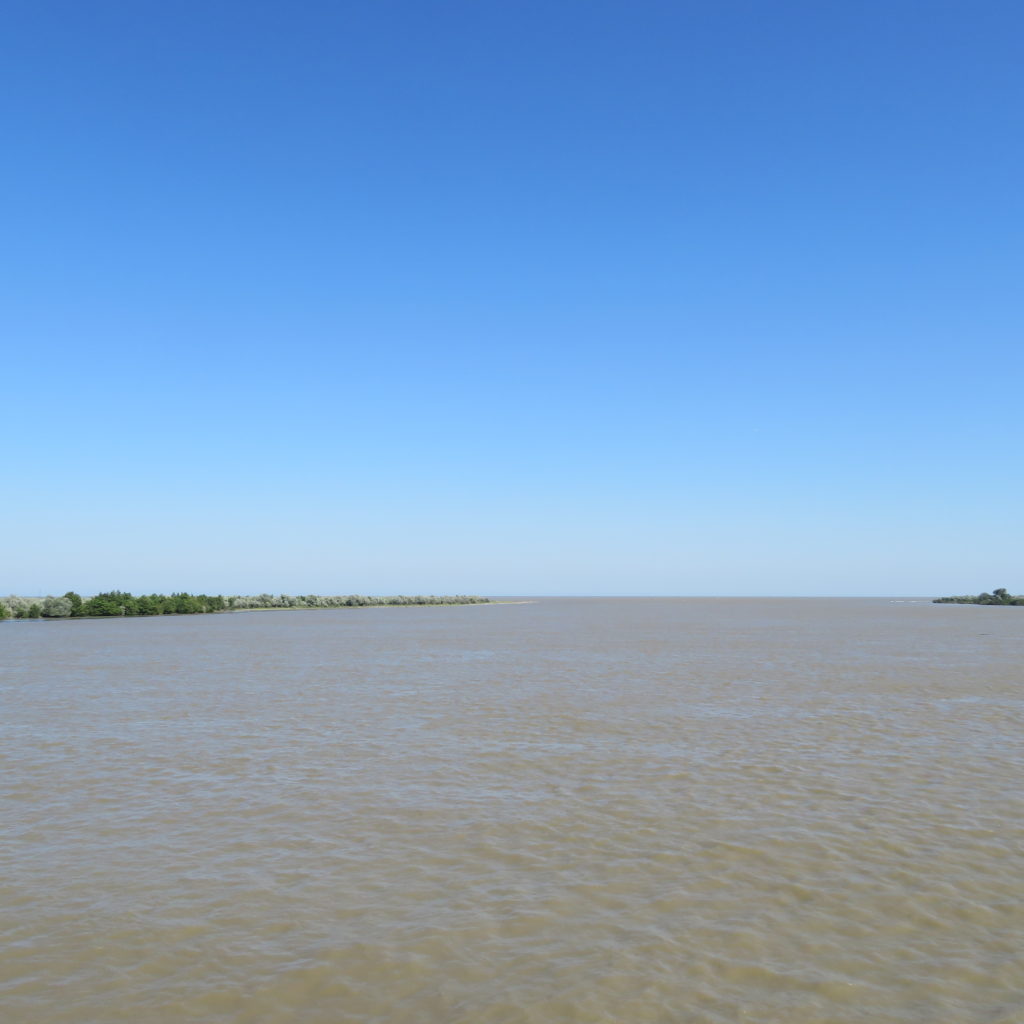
pixel 568 810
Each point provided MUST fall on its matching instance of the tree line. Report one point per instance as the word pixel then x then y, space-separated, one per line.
pixel 121 603
pixel 998 596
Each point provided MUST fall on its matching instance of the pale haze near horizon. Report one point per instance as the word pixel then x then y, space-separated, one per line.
pixel 594 300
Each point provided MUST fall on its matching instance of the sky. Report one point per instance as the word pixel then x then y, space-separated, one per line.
pixel 596 297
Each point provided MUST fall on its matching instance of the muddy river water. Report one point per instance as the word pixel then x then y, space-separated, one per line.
pixel 570 810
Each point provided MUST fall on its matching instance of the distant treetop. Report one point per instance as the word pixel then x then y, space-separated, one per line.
pixel 998 596
pixel 116 602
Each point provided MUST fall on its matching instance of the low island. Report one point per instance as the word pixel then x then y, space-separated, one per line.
pixel 998 596
pixel 120 603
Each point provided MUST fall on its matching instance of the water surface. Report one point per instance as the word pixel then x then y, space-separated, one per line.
pixel 570 810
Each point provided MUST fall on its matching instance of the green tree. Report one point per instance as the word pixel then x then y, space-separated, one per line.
pixel 56 608
pixel 113 602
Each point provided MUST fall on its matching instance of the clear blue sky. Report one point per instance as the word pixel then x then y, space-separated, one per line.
pixel 512 298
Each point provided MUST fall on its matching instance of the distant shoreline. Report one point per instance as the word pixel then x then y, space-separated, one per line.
pixel 243 611
pixel 1000 597
pixel 121 604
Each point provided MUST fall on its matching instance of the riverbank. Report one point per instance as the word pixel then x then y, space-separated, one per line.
pixel 999 596
pixel 121 604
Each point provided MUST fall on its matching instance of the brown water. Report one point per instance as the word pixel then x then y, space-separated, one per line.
pixel 571 810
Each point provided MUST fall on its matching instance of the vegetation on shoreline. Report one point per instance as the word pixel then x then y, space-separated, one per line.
pixel 998 596
pixel 120 603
